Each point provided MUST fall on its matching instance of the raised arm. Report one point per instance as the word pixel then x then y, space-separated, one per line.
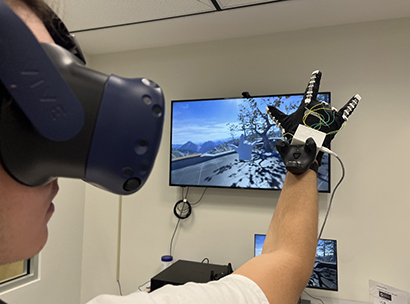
pixel 285 265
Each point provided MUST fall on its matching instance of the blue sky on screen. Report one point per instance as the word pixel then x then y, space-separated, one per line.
pixel 260 240
pixel 201 121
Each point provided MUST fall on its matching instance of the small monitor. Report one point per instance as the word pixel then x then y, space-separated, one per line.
pixel 324 275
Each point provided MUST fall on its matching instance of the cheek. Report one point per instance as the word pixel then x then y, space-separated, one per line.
pixel 23 218
pixel 21 237
pixel 23 227
pixel 29 224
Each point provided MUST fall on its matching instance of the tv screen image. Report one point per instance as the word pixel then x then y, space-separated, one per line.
pixel 231 143
pixel 324 274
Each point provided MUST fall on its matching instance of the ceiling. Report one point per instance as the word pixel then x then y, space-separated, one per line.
pixel 115 26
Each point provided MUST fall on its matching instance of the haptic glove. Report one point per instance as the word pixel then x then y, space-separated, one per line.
pixel 314 114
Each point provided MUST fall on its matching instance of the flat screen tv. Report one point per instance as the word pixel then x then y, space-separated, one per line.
pixel 231 143
pixel 324 274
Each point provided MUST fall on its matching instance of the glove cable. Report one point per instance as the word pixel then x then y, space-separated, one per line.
pixel 323 149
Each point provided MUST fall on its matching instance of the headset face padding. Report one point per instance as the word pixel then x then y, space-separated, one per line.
pixel 66 120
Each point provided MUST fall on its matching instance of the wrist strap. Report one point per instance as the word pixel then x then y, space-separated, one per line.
pixel 314 166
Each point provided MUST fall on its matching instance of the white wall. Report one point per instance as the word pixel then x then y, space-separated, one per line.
pixel 371 211
pixel 60 260
pixel 100 244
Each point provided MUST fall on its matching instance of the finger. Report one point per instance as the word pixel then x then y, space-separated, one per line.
pixel 277 116
pixel 313 87
pixel 350 106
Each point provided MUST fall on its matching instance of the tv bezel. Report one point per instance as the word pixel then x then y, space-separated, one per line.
pixel 230 98
pixel 307 286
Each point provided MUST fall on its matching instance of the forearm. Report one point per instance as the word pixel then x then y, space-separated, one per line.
pixel 294 223
pixel 285 265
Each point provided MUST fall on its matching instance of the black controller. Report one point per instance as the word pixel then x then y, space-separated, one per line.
pixel 297 158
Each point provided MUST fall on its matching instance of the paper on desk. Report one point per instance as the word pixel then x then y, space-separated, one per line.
pixel 383 294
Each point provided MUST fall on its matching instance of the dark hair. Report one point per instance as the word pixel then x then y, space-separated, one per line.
pixel 39 7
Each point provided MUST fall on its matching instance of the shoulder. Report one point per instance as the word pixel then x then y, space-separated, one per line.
pixel 235 289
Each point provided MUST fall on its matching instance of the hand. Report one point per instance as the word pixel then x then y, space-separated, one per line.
pixel 297 158
pixel 314 114
pixel 244 149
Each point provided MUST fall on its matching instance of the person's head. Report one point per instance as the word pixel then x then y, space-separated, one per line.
pixel 25 211
pixel 59 118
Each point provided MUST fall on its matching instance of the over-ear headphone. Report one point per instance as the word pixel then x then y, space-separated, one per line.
pixel 59 118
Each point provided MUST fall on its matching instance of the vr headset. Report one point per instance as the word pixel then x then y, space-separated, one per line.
pixel 59 118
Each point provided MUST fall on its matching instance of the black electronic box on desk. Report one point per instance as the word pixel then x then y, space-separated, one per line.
pixel 182 272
